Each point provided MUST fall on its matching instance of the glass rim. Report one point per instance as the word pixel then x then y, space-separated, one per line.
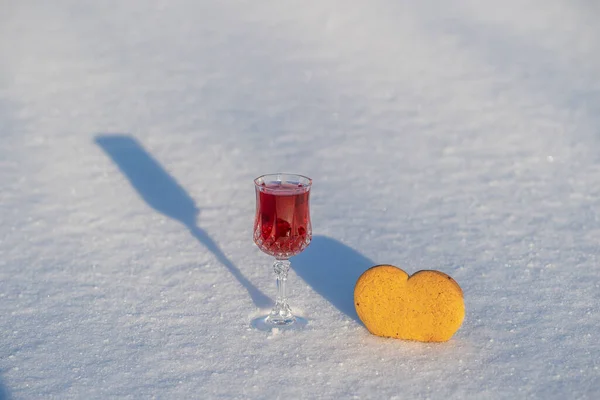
pixel 278 174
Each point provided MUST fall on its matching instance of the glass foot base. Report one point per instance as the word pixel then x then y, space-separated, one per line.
pixel 265 323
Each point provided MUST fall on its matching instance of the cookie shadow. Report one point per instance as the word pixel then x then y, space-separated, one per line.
pixel 331 268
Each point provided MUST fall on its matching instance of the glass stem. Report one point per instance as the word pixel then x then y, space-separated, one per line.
pixel 281 314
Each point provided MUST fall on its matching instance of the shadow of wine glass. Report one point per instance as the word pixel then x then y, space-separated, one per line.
pixel 331 268
pixel 164 194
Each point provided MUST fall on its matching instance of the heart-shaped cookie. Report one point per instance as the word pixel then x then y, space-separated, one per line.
pixel 427 306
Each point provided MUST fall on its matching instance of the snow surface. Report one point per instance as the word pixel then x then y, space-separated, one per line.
pixel 462 136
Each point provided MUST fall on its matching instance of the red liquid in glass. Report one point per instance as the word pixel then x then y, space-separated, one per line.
pixel 282 225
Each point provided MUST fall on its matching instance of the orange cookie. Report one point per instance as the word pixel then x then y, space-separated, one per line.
pixel 427 306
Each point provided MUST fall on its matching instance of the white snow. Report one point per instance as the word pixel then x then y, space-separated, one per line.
pixel 462 136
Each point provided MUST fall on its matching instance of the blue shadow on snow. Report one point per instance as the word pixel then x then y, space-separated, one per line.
pixel 331 268
pixel 162 192
pixel 4 394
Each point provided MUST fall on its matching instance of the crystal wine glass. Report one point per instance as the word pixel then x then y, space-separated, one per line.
pixel 282 229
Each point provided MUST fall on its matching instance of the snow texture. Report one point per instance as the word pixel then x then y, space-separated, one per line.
pixel 462 136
